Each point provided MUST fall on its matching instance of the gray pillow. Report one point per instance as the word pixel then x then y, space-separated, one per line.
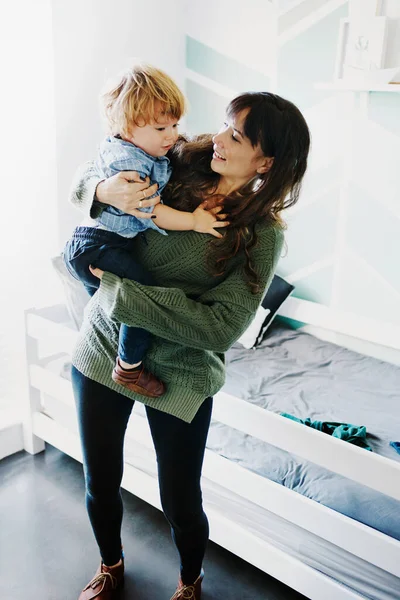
pixel 276 295
pixel 76 297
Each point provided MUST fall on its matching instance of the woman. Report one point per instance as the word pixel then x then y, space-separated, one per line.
pixel 207 292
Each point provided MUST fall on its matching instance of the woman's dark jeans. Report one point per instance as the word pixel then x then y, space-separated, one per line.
pixel 110 252
pixel 103 417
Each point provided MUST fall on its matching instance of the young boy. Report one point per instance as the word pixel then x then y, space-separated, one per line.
pixel 142 111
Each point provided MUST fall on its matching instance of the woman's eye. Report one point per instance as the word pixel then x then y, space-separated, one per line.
pixel 176 125
pixel 226 126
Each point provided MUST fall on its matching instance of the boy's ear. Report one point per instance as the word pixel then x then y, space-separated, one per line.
pixel 265 165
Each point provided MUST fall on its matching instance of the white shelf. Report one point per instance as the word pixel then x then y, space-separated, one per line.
pixel 348 86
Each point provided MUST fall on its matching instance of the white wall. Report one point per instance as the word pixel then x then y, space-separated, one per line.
pixel 28 180
pixel 244 31
pixel 231 46
pixel 94 39
pixel 27 128
pixel 349 211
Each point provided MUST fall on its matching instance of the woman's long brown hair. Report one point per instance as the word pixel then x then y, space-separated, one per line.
pixel 279 128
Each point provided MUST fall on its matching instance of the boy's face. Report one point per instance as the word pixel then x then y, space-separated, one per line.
pixel 155 137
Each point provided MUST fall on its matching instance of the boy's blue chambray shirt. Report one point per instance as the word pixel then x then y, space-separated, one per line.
pixel 117 155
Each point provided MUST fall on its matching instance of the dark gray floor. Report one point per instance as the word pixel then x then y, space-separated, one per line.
pixel 47 551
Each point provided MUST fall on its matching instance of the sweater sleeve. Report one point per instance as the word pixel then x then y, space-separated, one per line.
pixel 83 191
pixel 212 322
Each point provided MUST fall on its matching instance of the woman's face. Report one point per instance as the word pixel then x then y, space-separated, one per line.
pixel 234 157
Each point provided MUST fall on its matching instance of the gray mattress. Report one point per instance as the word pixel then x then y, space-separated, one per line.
pixel 297 373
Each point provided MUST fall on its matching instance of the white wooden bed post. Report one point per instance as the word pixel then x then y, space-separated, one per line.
pixel 32 403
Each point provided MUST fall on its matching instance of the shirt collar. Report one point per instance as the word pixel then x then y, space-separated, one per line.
pixel 117 139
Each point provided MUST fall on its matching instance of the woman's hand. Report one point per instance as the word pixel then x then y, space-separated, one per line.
pixel 128 192
pixel 96 272
pixel 206 220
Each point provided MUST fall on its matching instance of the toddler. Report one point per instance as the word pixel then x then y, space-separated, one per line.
pixel 142 112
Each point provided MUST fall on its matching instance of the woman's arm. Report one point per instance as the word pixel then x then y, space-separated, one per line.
pixel 83 190
pixel 213 322
pixel 123 190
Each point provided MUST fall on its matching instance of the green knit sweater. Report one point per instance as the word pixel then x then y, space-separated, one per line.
pixel 193 316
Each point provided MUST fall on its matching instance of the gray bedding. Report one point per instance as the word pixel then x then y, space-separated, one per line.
pixel 294 372
pixel 297 373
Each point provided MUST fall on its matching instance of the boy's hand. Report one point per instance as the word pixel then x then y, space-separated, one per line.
pixel 206 221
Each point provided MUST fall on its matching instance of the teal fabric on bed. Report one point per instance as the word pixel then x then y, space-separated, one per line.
pixel 354 434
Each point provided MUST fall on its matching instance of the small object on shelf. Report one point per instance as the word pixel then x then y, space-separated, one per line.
pixel 371 77
pixel 357 86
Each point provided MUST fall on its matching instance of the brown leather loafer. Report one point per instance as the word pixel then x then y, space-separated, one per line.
pixel 105 585
pixel 189 592
pixel 139 381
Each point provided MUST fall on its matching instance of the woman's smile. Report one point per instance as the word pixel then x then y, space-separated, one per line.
pixel 217 155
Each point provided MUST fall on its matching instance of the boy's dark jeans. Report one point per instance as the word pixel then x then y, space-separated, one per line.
pixel 110 252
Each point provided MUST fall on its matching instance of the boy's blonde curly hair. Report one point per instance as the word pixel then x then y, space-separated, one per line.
pixel 141 94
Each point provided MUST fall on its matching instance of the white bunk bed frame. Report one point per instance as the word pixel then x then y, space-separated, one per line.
pixel 372 470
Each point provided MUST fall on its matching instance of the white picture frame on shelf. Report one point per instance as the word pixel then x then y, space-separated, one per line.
pixel 361 47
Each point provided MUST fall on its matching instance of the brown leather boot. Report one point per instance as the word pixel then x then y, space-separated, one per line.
pixel 105 585
pixel 189 592
pixel 139 381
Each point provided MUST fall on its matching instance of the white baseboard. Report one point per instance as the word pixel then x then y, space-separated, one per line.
pixel 11 433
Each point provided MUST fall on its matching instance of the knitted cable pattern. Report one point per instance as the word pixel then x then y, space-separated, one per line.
pixel 194 316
